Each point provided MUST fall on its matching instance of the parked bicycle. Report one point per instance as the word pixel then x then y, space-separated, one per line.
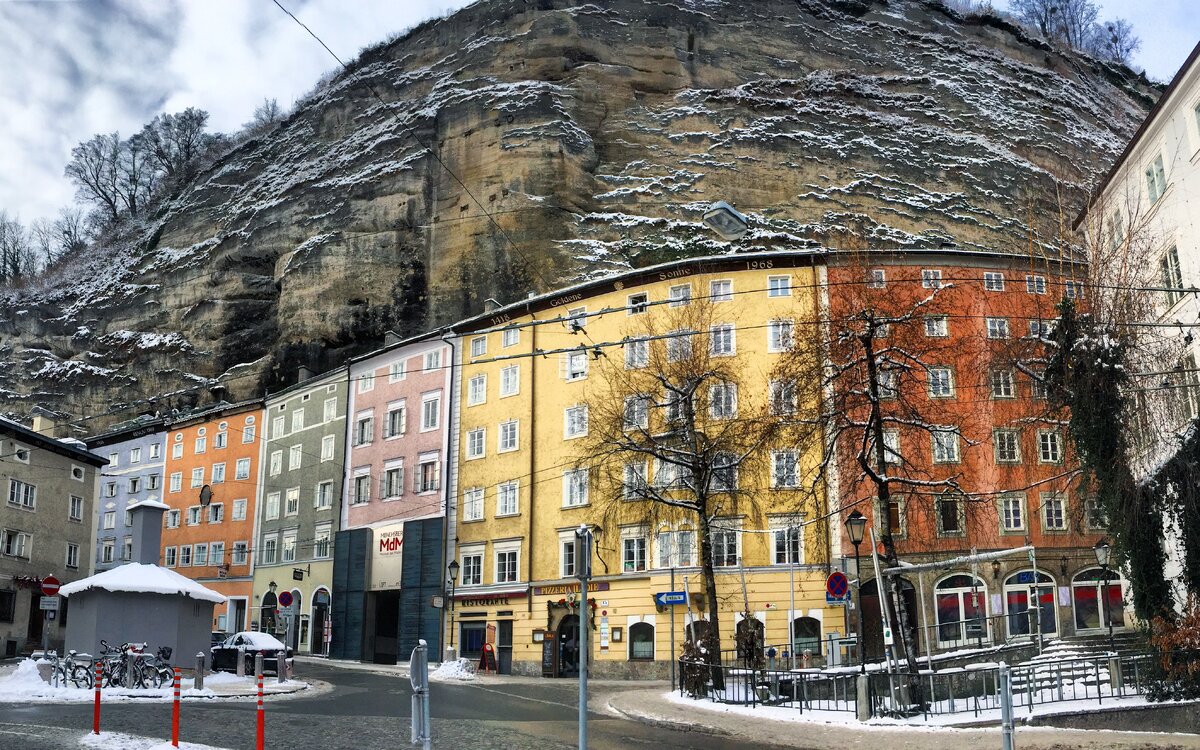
pixel 148 671
pixel 75 669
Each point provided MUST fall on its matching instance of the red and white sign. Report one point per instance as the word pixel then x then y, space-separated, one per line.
pixel 50 585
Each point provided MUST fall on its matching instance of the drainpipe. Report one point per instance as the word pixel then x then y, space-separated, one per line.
pixel 532 452
pixel 450 450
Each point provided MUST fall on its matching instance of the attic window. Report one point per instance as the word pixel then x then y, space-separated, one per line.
pixel 250 419
pixel 179 437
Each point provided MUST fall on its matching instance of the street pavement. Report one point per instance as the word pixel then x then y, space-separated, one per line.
pixel 365 709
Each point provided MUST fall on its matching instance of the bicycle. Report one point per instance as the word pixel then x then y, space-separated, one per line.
pixel 75 669
pixel 154 671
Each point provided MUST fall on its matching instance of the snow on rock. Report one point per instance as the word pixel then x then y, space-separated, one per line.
pixel 462 670
pixel 147 579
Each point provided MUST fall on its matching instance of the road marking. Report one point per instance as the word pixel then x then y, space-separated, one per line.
pixel 522 697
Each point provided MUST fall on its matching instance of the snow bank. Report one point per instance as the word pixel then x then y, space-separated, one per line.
pixel 118 741
pixel 463 670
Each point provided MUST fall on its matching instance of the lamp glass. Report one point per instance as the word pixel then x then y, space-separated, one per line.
pixel 1102 550
pixel 453 568
pixel 856 527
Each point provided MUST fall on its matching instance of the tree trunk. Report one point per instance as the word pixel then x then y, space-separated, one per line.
pixel 712 644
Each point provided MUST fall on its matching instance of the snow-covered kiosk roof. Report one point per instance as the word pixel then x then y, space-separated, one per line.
pixel 139 578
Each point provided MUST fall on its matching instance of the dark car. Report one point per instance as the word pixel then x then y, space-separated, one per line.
pixel 217 638
pixel 246 645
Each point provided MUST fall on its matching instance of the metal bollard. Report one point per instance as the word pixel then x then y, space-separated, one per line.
pixel 1006 708
pixel 862 697
pixel 241 663
pixel 258 664
pixel 198 682
pixel 281 666
pixel 129 661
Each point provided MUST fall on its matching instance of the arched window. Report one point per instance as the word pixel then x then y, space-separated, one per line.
pixel 1091 595
pixel 697 630
pixel 806 634
pixel 749 647
pixel 961 602
pixel 1022 597
pixel 641 641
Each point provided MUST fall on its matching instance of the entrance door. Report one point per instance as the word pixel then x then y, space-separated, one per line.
pixel 320 613
pixel 504 647
pixel 238 622
pixel 568 646
pixel 387 626
pixel 33 634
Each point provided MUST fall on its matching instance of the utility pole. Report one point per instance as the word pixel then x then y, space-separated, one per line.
pixel 583 571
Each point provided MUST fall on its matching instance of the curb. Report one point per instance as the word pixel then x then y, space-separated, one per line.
pixel 672 724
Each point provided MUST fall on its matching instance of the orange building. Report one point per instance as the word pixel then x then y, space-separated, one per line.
pixel 963 347
pixel 212 471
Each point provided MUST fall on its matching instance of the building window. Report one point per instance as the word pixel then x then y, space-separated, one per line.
pixel 114 459
pixel 216 553
pixel 291 502
pixel 789 544
pixel 636 304
pixel 110 490
pixel 935 325
pixel 676 549
pixel 722 400
pixel 506 499
pixel 1073 289
pixel 396 422
pixel 241 553
pixel 1012 513
pixel 510 380
pixel 506 566
pixel 269 549
pixel 279 424
pixel 637 354
pixel 1172 276
pixel 876 278
pixel 1002 384
pixel 779 286
pixel 1049 447
pixel 324 496
pixel 475 440
pixel 322 537
pixel 185 554
pixel 1035 284
pixel 1094 596
pixel 289 547
pixel 272 509
pixel 177 450
pixel 201 555
pixel 110 519
pixel 633 550
pixel 941 382
pixel 891 447
pixel 576 319
pixel 201 445
pixel 216 513
pixel 248 431
pixel 575 488
pixel 366 384
pixel 566 544
pixel 1008 446
pixel 297 420
pixel 724 547
pixel 473 504
pixel 431 409
pixel 22 494
pixel 782 394
pixel 1054 511
pixel 721 340
pixel 950 515
pixel 997 328
pixel 328 445
pixel 427 475
pixel 169 556
pixel 783 470
pixel 931 278
pixel 329 410
pixel 75 508
pixel 945 445
pixel 720 290
pixel 510 337
pixel 173 517
pixel 364 432
pixel 432 360
pixel 780 335
pixel 724 475
pixel 1156 179
pixel 508 436
pixel 573 365
pixel 397 371
pixel 479 346
pixel 889 383
pixel 393 481
pixel 679 295
pixel 221 439
pixel 72 555
pixel 575 421
pixel 477 390
pixel 993 281
pixel 361 489
pixel 679 345
pixel 1093 515
pixel 152 482
pixel 239 509
pixel 633 481
pixel 218 474
pixel 472 568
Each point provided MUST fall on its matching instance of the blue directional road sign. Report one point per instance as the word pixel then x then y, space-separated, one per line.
pixel 668 598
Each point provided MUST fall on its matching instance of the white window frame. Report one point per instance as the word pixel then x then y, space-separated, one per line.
pixel 508 436
pixel 1000 435
pixel 576 488
pixel 510 380
pixel 508 498
pixel 993 281
pixel 472 502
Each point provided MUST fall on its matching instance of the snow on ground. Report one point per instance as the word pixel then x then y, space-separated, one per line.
pixel 118 741
pixel 463 669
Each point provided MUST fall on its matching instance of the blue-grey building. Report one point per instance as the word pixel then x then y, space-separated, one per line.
pixel 134 473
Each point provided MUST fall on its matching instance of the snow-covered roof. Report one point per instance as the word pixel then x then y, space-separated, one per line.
pixel 143 579
pixel 150 504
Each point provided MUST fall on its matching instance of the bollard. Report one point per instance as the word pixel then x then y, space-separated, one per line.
pixel 198 682
pixel 241 663
pixel 96 709
pixel 258 665
pixel 175 713
pixel 862 697
pixel 261 731
pixel 281 667
pixel 1006 708
pixel 129 667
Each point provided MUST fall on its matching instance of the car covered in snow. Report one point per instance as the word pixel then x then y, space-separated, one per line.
pixel 246 645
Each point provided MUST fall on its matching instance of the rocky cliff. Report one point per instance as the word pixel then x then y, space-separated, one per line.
pixel 593 134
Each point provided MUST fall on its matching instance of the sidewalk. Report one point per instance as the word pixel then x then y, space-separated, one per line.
pixel 653 707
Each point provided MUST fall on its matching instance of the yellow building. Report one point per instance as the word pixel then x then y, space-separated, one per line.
pixel 533 379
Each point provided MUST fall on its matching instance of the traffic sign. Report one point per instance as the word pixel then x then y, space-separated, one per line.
pixel 669 598
pixel 837 586
pixel 285 599
pixel 50 585
pixel 50 603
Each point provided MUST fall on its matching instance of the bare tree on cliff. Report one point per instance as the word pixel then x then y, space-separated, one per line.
pixel 679 433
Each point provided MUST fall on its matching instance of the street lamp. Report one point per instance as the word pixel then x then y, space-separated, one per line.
pixel 856 528
pixel 452 568
pixel 1103 551
pixel 726 220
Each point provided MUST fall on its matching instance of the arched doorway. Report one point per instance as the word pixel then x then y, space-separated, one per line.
pixel 568 646
pixel 1089 592
pixel 696 630
pixel 872 617
pixel 806 635
pixel 960 602
pixel 751 636
pixel 320 616
pixel 297 630
pixel 1023 597
pixel 266 613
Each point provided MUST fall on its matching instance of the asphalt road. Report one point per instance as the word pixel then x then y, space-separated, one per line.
pixel 364 711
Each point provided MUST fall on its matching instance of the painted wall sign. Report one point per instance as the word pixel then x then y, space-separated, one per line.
pixel 562 589
pixel 499 600
pixel 387 556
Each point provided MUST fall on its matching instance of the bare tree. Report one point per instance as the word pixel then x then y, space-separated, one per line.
pixel 1115 40
pixel 266 116
pixel 18 256
pixel 94 168
pixel 681 431
pixel 176 144
pixel 69 232
pixel 1067 21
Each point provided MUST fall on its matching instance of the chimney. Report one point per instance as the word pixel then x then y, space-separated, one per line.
pixel 491 305
pixel 44 422
pixel 303 373
pixel 391 338
pixel 147 530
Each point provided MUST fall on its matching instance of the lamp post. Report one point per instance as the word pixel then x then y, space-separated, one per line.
pixel 452 569
pixel 1103 550
pixel 856 528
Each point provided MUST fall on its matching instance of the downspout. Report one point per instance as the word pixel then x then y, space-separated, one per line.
pixel 532 452
pixel 450 444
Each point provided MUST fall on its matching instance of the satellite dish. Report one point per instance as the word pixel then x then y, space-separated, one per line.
pixel 205 496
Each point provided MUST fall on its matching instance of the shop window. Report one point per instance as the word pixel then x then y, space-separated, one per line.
pixel 641 642
pixel 1023 597
pixel 1089 592
pixel 961 602
pixel 806 636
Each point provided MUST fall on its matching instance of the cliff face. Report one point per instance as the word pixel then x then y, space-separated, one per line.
pixel 594 134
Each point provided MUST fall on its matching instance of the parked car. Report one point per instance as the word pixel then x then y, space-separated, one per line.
pixel 245 645
pixel 218 637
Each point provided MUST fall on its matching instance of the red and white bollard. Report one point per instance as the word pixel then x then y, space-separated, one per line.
pixel 175 713
pixel 96 709
pixel 262 720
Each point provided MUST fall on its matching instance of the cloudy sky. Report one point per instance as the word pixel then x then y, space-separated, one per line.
pixel 73 68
